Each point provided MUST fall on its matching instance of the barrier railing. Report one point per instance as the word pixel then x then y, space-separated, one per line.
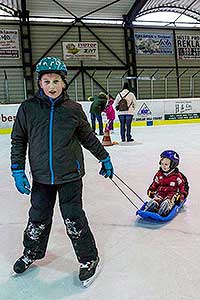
pixel 162 84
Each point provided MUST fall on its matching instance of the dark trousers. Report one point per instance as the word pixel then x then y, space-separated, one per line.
pixel 125 126
pixel 110 124
pixel 99 119
pixel 37 232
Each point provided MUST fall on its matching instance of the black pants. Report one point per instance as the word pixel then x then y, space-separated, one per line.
pixel 37 232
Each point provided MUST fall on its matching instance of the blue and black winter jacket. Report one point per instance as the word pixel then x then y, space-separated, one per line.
pixel 54 131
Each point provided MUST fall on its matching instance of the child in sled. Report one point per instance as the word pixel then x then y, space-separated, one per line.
pixel 169 186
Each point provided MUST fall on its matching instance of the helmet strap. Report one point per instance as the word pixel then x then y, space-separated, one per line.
pixel 65 82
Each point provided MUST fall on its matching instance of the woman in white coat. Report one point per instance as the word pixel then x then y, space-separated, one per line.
pixel 125 116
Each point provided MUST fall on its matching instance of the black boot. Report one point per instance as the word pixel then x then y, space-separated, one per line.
pixel 23 263
pixel 89 271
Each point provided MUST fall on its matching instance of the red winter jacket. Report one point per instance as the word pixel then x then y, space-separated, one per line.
pixel 168 184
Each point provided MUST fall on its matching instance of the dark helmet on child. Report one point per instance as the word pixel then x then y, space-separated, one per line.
pixel 172 156
pixel 103 95
pixel 51 64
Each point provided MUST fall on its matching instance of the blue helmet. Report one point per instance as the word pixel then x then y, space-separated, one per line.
pixel 172 156
pixel 51 64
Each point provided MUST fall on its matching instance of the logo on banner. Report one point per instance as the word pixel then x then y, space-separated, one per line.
pixel 144 110
pixel 80 50
pixel 182 107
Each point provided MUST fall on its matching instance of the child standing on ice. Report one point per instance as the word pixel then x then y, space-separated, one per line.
pixel 53 128
pixel 110 114
pixel 169 186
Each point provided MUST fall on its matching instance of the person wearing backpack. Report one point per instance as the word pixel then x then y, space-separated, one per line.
pixel 125 104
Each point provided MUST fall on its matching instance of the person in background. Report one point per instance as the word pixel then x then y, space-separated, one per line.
pixel 110 114
pixel 169 186
pixel 53 127
pixel 126 117
pixel 97 107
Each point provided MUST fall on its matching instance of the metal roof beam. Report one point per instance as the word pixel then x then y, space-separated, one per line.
pixel 89 13
pixel 67 10
pixel 8 9
pixel 100 8
pixel 133 12
pixel 184 11
pixel 23 5
pixel 189 11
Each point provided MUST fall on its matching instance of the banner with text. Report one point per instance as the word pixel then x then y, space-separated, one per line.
pixel 9 44
pixel 154 43
pixel 182 109
pixel 146 110
pixel 80 50
pixel 188 46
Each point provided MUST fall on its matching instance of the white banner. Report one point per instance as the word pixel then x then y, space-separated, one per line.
pixel 188 46
pixel 7 115
pixel 9 44
pixel 146 110
pixel 149 110
pixel 182 109
pixel 80 50
pixel 154 43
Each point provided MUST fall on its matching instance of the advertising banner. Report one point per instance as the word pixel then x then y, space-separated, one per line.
pixel 182 109
pixel 154 43
pixel 188 46
pixel 8 115
pixel 80 50
pixel 149 110
pixel 9 44
pixel 146 110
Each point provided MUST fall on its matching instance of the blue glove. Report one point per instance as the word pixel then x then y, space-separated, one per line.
pixel 106 168
pixel 21 182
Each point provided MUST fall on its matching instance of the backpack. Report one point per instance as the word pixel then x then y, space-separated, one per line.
pixel 122 105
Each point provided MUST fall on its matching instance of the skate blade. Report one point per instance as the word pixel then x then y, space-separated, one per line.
pixel 15 275
pixel 86 283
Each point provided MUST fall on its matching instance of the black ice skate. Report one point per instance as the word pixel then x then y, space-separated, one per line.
pixel 89 271
pixel 23 263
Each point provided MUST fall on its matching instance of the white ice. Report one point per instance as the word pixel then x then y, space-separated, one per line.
pixel 141 260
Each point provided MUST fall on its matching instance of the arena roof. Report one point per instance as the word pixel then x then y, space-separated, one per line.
pixel 104 9
pixel 190 8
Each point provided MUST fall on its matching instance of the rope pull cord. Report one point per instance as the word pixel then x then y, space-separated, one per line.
pixel 124 194
pixel 129 189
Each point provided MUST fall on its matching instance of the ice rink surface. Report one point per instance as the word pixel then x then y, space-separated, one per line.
pixel 141 260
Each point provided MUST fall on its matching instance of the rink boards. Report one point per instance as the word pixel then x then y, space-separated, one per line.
pixel 147 113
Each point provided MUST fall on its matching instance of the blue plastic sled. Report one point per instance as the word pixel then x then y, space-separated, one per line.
pixel 147 214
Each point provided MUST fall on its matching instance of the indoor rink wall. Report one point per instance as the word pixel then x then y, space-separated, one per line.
pixel 147 113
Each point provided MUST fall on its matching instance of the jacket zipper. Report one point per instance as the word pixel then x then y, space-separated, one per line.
pixel 78 167
pixel 51 138
pixel 51 142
